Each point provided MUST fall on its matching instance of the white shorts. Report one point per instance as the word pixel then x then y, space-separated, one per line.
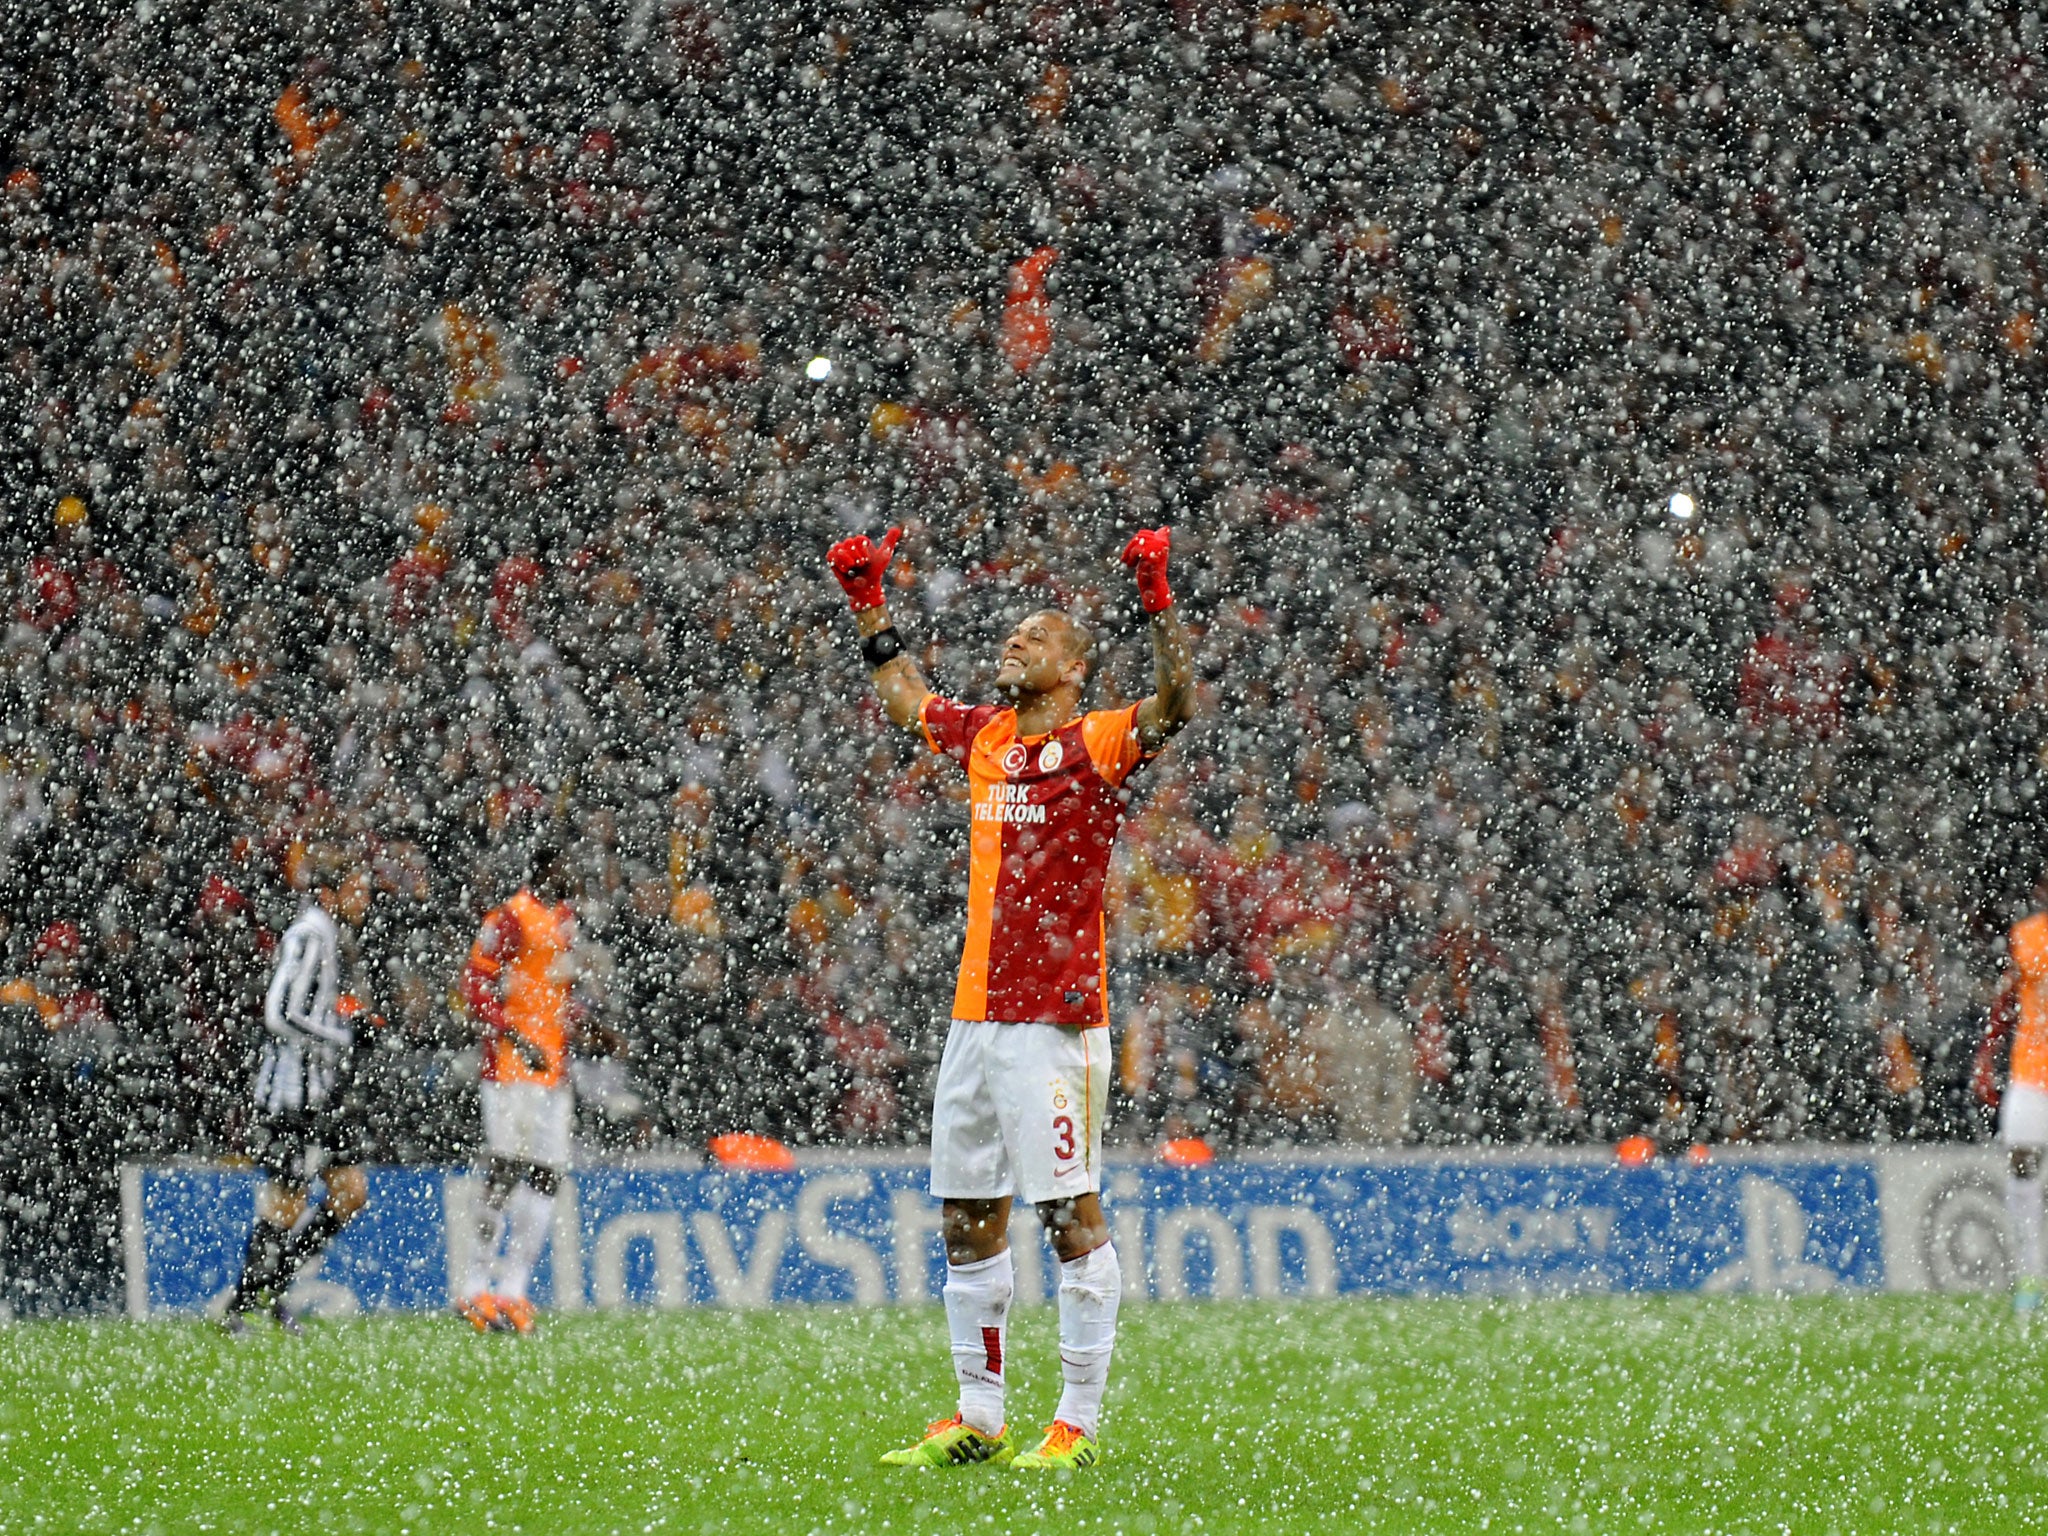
pixel 2023 1116
pixel 1019 1111
pixel 528 1123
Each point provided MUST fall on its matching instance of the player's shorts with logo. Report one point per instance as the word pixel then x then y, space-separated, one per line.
pixel 292 1148
pixel 2023 1116
pixel 1018 1110
pixel 528 1122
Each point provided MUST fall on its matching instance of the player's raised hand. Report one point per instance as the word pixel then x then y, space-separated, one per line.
pixel 859 562
pixel 1146 555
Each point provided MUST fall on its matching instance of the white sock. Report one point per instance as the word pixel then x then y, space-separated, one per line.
pixel 977 1318
pixel 2023 1204
pixel 1090 1288
pixel 531 1213
pixel 490 1227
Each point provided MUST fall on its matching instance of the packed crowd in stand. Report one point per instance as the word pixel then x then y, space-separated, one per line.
pixel 1605 459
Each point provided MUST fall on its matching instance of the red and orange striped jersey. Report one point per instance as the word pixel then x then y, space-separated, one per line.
pixel 2028 946
pixel 1045 810
pixel 515 988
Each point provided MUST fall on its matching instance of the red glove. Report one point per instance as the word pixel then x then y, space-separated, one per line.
pixel 1146 553
pixel 859 562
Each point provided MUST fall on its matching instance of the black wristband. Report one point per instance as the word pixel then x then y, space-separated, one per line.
pixel 882 647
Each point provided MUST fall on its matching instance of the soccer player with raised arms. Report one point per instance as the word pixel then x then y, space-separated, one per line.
pixel 1018 1108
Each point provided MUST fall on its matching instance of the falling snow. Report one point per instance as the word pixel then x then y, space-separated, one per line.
pixel 1604 451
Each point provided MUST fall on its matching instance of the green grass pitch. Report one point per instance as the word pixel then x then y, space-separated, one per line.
pixel 1603 1415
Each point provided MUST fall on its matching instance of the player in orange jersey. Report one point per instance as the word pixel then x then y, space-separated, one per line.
pixel 1019 1101
pixel 2021 1009
pixel 517 988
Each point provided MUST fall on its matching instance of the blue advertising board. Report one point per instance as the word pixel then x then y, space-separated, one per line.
pixel 868 1233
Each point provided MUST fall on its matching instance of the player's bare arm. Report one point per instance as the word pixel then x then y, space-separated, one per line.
pixel 898 680
pixel 1172 704
pixel 859 564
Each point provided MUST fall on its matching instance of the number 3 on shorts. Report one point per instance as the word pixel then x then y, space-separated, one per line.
pixel 1063 1137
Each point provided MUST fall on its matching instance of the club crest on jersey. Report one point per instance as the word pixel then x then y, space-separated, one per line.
pixel 1013 760
pixel 1050 757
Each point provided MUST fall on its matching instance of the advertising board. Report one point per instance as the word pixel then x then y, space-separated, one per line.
pixel 866 1232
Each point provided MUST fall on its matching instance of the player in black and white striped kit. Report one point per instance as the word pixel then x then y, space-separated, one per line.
pixel 305 1123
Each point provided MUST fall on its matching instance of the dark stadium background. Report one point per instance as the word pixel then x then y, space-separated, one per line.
pixel 381 344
